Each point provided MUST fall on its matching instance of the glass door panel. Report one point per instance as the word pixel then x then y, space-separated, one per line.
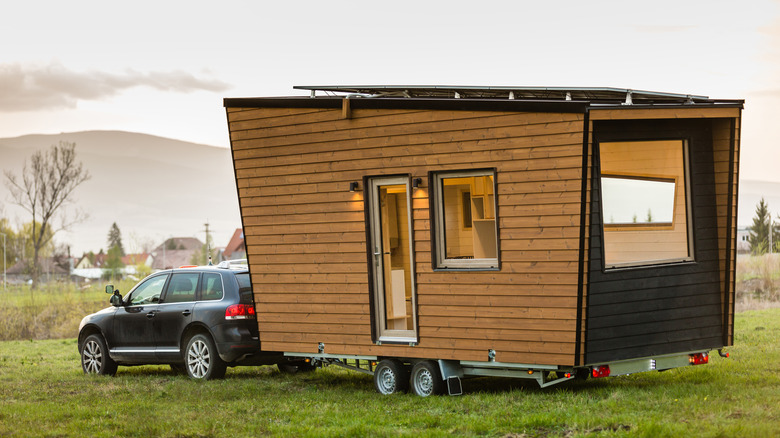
pixel 393 259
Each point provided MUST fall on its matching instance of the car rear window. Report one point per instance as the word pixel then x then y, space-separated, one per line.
pixel 245 288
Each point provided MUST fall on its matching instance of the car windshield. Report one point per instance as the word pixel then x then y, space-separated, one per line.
pixel 245 288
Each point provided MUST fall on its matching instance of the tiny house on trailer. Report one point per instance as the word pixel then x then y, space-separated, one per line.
pixel 425 234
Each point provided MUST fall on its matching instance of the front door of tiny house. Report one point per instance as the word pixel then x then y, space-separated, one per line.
pixel 392 259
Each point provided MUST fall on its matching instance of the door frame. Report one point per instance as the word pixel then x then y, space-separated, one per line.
pixel 380 334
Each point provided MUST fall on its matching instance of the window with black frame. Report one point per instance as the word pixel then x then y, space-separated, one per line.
pixel 645 203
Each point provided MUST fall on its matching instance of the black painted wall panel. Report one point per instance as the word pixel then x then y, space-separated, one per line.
pixel 661 309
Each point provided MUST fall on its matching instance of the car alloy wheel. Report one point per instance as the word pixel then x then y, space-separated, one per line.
pixel 94 357
pixel 202 360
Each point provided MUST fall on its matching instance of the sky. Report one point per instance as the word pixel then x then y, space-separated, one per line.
pixel 163 67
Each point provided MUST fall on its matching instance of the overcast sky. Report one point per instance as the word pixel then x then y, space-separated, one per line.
pixel 163 67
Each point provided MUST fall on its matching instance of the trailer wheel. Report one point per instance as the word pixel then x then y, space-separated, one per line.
pixel 391 376
pixel 426 379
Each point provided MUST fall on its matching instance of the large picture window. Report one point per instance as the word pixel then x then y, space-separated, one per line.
pixel 465 228
pixel 645 203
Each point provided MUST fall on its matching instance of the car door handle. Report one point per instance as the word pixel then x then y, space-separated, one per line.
pixel 186 312
pixel 151 314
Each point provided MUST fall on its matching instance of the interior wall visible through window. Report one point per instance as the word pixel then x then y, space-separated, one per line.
pixel 465 211
pixel 645 202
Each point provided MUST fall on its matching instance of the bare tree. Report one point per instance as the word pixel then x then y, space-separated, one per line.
pixel 46 185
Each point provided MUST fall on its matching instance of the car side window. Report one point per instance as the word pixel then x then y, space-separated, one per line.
pixel 211 288
pixel 149 291
pixel 182 287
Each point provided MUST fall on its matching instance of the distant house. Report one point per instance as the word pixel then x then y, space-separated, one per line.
pixel 236 248
pixel 89 261
pixel 52 268
pixel 743 241
pixel 175 252
pixel 138 259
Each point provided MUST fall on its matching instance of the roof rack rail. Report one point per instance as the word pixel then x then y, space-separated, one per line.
pixel 233 264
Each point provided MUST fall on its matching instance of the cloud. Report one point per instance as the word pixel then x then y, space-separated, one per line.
pixel 31 88
pixel 664 28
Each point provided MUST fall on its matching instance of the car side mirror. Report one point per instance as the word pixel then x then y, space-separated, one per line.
pixel 116 299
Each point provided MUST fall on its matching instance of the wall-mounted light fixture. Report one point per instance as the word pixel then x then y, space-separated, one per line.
pixel 353 186
pixel 416 183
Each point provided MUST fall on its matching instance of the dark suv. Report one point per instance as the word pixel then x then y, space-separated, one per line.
pixel 197 319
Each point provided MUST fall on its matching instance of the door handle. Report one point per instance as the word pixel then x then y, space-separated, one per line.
pixel 151 314
pixel 186 312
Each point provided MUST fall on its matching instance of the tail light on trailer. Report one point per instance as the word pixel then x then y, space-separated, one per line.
pixel 698 358
pixel 240 311
pixel 600 371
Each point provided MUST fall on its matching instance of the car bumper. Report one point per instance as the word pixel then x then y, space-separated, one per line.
pixel 235 342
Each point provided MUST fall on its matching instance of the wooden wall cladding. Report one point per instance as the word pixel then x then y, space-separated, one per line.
pixel 305 230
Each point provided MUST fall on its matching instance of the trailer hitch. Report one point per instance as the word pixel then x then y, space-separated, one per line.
pixel 722 353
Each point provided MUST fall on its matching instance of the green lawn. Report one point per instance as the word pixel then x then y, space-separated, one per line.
pixel 44 393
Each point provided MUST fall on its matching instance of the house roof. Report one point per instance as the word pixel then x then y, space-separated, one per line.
pixel 236 242
pixel 173 258
pixel 180 243
pixel 563 99
pixel 134 259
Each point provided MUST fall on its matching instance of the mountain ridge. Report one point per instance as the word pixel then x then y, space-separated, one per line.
pixel 153 187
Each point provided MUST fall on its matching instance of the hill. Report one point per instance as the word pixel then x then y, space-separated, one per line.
pixel 152 187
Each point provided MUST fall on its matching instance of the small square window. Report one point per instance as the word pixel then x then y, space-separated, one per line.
pixel 465 226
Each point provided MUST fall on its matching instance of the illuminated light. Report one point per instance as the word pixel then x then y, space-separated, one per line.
pixel 698 359
pixel 307 360
pixel 353 186
pixel 530 372
pixel 600 371
pixel 567 375
pixel 240 311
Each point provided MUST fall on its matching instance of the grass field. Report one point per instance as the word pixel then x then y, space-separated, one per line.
pixel 52 312
pixel 44 393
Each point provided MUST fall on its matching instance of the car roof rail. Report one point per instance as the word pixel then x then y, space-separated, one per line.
pixel 233 264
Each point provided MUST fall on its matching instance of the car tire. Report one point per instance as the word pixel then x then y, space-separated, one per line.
pixel 426 379
pixel 201 359
pixel 95 358
pixel 391 377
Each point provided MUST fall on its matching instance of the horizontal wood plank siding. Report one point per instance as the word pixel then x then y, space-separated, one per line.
pixel 306 232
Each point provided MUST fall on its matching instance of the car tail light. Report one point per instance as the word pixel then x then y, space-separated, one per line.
pixel 601 371
pixel 240 311
pixel 698 358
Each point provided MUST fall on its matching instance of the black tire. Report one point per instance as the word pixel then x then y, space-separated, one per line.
pixel 391 377
pixel 294 367
pixel 95 358
pixel 201 359
pixel 426 379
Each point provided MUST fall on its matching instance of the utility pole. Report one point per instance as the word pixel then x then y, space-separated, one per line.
pixel 4 281
pixel 208 245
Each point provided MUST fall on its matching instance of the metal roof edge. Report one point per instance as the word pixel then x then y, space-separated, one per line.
pixel 519 105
